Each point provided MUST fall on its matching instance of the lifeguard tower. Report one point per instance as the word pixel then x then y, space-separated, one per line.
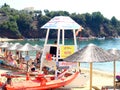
pixel 54 53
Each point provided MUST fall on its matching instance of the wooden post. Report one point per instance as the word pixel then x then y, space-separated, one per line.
pixel 114 73
pixel 90 75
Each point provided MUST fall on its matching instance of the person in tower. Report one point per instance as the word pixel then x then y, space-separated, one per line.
pixel 79 30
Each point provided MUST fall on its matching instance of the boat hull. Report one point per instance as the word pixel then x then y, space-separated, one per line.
pixel 42 83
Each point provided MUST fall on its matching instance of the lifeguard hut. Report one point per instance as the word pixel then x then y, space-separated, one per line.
pixel 54 53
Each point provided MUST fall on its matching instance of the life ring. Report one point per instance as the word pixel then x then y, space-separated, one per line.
pixel 48 56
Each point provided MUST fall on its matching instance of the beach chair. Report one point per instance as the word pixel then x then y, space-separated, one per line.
pixel 118 78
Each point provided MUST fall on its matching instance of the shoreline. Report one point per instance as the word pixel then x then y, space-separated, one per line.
pixel 8 39
pixel 96 71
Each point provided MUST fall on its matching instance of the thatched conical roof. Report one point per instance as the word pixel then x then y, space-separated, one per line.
pixel 90 53
pixel 26 47
pixel 38 48
pixel 116 52
pixel 15 46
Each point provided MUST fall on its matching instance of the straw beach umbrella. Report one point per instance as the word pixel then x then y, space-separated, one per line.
pixel 90 54
pixel 38 48
pixel 15 46
pixel 5 45
pixel 116 52
pixel 27 47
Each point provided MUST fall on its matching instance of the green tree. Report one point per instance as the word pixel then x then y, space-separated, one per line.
pixel 24 23
pixel 114 21
pixel 88 19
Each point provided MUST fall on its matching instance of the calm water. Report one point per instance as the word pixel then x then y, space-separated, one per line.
pixel 105 44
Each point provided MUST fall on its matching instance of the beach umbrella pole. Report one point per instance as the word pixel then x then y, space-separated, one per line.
pixel 90 75
pixel 27 66
pixel 114 74
pixel 78 66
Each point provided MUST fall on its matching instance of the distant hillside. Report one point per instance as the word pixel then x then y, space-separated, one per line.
pixel 26 24
pixel 3 18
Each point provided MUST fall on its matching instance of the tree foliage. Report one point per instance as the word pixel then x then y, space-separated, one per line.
pixel 27 24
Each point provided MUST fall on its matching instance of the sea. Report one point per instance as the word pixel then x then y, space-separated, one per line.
pixel 103 43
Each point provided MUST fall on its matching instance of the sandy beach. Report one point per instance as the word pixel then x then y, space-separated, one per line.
pixel 100 79
pixel 7 39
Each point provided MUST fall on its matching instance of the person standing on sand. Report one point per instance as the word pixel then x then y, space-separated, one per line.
pixel 11 60
pixel 38 57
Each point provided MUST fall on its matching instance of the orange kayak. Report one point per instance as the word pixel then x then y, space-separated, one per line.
pixel 41 82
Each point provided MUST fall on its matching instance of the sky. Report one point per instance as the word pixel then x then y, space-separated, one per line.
pixel 108 8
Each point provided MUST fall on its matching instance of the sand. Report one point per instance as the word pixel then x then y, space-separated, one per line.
pixel 100 79
pixel 7 39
